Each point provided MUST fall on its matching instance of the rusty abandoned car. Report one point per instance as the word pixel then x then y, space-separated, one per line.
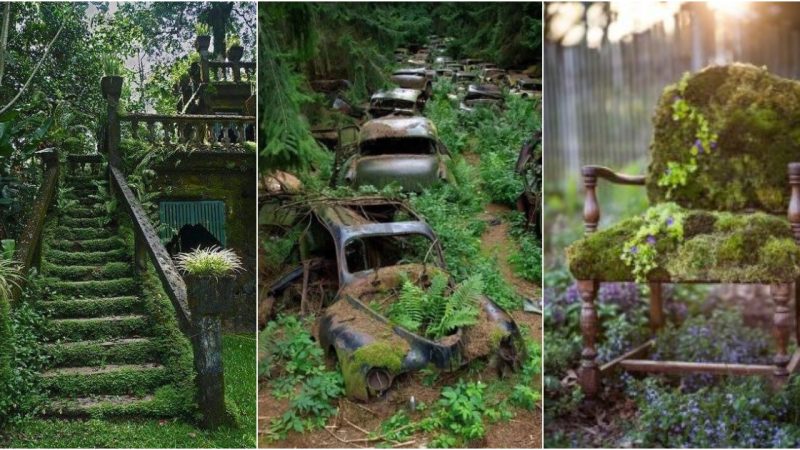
pixel 481 95
pixel 527 87
pixel 399 101
pixel 413 78
pixel 378 245
pixel 401 150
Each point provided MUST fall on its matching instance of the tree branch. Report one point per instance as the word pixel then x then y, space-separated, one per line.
pixel 4 39
pixel 35 69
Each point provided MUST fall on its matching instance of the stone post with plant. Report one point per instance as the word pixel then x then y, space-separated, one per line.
pixel 209 275
pixel 111 85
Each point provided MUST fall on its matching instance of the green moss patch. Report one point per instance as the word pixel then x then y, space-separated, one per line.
pixel 99 288
pixel 86 258
pixel 127 380
pixel 98 353
pixel 718 246
pixel 92 307
pixel 82 222
pixel 75 233
pixel 98 328
pixel 82 273
pixel 754 119
pixel 89 245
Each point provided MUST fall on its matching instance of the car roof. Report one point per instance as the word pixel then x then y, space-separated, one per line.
pixel 410 71
pixel 398 126
pixel 410 95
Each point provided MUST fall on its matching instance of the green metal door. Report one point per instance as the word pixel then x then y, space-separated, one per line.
pixel 208 213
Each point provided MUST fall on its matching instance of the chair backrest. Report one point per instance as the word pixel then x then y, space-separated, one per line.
pixel 723 139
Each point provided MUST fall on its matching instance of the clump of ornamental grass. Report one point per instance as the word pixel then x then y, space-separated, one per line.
pixel 209 262
pixel 9 277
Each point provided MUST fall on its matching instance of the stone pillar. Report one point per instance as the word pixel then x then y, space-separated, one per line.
pixel 209 298
pixel 111 87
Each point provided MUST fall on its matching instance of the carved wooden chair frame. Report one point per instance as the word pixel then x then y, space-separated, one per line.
pixel 590 372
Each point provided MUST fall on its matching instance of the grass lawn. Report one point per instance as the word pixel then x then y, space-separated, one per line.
pixel 239 359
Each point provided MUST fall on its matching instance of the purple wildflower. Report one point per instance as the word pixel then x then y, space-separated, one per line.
pixel 699 145
pixel 651 240
pixel 713 145
pixel 634 250
pixel 670 221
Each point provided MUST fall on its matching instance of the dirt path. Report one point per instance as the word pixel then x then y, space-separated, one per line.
pixel 496 241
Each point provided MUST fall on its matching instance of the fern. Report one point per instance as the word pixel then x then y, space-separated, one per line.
pixel 461 308
pixel 431 311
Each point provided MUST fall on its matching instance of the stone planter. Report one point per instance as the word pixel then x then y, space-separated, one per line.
pixel 111 85
pixel 209 295
pixel 235 53
pixel 202 43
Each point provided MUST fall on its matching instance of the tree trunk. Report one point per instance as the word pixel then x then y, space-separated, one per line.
pixel 4 39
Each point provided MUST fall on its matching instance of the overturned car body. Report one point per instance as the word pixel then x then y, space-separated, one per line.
pixel 377 243
pixel 401 150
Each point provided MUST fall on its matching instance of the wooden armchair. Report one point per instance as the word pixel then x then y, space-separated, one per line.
pixel 741 238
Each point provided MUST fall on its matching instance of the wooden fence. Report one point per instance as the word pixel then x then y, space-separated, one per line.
pixel 598 103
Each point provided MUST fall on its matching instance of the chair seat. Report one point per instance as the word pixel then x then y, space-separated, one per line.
pixel 716 247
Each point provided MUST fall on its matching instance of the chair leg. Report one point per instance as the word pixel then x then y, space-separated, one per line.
pixel 656 307
pixel 797 311
pixel 589 376
pixel 781 323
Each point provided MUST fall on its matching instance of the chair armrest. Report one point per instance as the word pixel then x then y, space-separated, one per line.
pixel 591 209
pixel 794 199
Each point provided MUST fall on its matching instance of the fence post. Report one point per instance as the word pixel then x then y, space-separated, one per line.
pixel 209 298
pixel 50 165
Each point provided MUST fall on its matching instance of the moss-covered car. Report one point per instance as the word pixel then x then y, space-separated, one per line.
pixel 402 150
pixel 372 245
pixel 414 78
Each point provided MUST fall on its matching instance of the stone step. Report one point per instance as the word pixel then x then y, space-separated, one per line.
pixel 85 211
pixel 97 328
pixel 82 233
pixel 80 258
pixel 112 406
pixel 92 307
pixel 88 245
pixel 110 379
pixel 83 222
pixel 94 288
pixel 99 352
pixel 92 272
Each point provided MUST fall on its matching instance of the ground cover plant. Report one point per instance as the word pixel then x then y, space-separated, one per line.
pixel 487 248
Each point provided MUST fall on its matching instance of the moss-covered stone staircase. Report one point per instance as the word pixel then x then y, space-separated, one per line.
pixel 114 347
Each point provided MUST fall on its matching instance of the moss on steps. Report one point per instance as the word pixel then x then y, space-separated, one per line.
pixel 84 273
pixel 97 353
pixel 69 258
pixel 85 211
pixel 94 288
pixel 81 233
pixel 110 327
pixel 167 401
pixel 93 307
pixel 110 379
pixel 82 222
pixel 88 245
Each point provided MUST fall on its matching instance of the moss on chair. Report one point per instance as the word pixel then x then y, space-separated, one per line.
pixel 754 118
pixel 716 246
